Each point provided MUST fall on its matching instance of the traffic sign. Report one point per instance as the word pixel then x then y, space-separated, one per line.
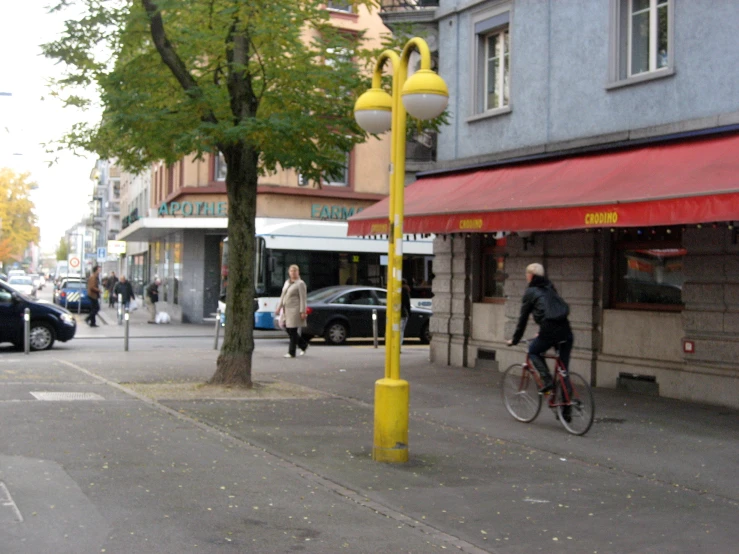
pixel 102 254
pixel 74 262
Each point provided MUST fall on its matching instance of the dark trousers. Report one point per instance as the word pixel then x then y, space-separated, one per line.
pixel 94 309
pixel 296 339
pixel 112 299
pixel 544 342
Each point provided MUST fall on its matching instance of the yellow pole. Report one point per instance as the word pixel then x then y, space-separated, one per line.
pixel 390 281
pixel 392 394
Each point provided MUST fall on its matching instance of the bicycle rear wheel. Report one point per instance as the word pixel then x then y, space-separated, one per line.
pixel 581 407
pixel 520 393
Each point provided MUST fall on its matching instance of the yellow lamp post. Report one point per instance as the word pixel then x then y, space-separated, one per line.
pixel 425 96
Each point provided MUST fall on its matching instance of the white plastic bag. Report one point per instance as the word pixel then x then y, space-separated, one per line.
pixel 162 317
pixel 133 305
pixel 279 321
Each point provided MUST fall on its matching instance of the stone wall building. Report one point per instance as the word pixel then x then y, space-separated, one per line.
pixel 600 139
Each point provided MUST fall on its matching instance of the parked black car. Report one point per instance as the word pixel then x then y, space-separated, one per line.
pixel 337 313
pixel 49 323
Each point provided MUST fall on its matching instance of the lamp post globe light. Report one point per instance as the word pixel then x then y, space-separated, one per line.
pixel 425 96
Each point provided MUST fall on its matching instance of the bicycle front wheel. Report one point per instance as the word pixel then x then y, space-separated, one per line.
pixel 520 393
pixel 578 415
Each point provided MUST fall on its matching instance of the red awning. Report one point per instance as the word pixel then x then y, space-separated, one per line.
pixel 666 184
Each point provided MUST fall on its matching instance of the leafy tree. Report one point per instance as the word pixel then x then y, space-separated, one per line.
pixel 270 84
pixel 18 222
pixel 62 251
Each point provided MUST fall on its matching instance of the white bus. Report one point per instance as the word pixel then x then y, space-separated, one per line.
pixel 326 256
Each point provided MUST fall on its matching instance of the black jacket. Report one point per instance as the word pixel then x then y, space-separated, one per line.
pixel 152 292
pixel 537 302
pixel 125 290
pixel 405 302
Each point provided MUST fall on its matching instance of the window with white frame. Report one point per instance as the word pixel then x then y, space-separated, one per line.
pixel 643 38
pixel 342 179
pixel 219 169
pixel 339 6
pixel 493 75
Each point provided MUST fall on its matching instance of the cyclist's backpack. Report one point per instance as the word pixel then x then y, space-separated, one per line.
pixel 556 308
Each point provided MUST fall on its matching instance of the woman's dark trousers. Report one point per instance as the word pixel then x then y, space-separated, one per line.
pixel 296 339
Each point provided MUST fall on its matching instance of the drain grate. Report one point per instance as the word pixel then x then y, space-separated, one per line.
pixel 66 396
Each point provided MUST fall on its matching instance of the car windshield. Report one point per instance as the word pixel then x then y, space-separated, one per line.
pixel 75 285
pixel 20 281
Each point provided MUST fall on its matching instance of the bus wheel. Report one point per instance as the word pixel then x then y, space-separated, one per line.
pixel 425 334
pixel 336 333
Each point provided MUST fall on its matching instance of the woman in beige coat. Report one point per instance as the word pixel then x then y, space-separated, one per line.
pixel 291 309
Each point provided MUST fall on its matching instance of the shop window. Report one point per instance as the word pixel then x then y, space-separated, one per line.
pixel 493 275
pixel 649 275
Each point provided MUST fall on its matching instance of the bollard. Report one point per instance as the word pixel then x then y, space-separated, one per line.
pixel 374 326
pixel 120 309
pixel 218 328
pixel 27 330
pixel 125 333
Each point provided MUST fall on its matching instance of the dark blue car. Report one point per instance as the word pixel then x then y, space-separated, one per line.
pixel 48 324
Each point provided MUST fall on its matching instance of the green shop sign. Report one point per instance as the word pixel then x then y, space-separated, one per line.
pixel 323 211
pixel 194 209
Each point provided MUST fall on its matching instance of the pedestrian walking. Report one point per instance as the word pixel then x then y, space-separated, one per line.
pixel 124 288
pixel 93 293
pixel 292 309
pixel 151 299
pixel 110 286
pixel 405 308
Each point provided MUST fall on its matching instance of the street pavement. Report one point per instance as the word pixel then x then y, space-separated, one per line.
pixel 126 473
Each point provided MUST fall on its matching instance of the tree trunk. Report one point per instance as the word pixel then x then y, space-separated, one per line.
pixel 234 361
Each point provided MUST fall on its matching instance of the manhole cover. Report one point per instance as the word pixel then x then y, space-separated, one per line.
pixel 66 396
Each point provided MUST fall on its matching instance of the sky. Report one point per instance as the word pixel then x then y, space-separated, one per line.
pixel 30 117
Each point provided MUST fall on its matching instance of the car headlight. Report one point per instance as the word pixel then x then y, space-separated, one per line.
pixel 67 319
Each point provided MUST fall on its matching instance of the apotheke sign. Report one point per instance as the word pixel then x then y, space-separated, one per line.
pixel 194 209
pixel 220 209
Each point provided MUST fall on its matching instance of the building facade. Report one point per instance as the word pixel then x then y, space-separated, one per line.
pixel 600 139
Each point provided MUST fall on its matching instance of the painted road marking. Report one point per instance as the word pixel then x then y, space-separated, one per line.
pixel 66 396
pixel 7 501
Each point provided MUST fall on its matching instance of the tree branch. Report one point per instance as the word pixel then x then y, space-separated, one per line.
pixel 171 59
pixel 244 102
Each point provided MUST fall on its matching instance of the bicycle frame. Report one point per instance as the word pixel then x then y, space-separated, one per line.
pixel 560 380
pixel 571 398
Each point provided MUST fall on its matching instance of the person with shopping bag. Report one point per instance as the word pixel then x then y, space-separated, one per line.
pixel 125 290
pixel 292 310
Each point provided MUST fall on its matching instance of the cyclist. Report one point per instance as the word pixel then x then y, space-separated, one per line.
pixel 550 312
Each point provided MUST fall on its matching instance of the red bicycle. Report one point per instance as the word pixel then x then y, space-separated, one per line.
pixel 573 405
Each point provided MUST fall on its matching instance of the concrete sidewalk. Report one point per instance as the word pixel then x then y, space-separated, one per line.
pixel 652 475
pixel 109 327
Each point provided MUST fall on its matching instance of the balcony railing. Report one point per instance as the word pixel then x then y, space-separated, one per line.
pixel 421 147
pixel 407 5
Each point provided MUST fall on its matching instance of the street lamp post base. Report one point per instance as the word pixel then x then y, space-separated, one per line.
pixel 391 421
